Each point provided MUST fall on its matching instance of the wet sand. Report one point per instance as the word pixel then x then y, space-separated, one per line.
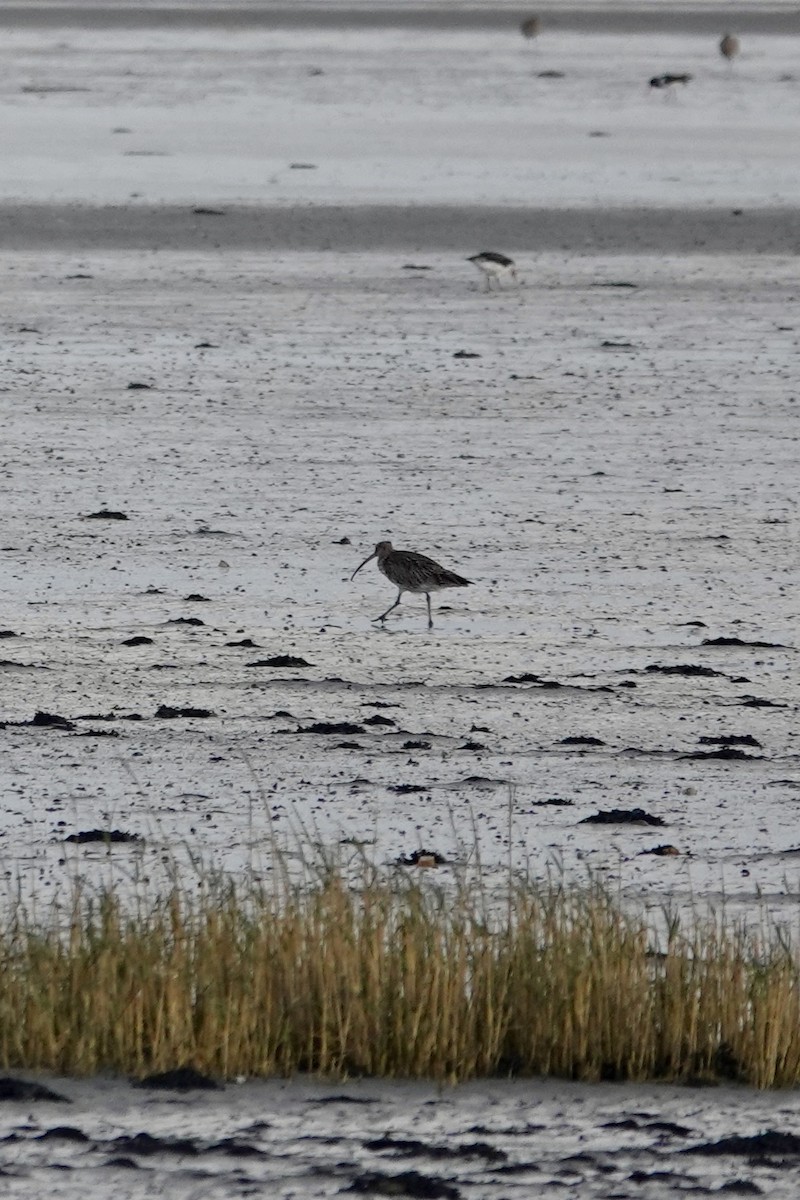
pixel 601 18
pixel 606 450
pixel 308 1140
pixel 84 228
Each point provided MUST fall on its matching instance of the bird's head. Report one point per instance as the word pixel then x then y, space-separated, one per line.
pixel 380 551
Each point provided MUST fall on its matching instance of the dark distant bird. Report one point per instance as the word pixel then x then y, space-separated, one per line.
pixel 662 81
pixel 531 27
pixel 411 572
pixel 494 266
pixel 729 46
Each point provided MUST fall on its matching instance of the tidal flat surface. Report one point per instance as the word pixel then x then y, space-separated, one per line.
pixel 609 451
pixel 614 468
pixel 308 1141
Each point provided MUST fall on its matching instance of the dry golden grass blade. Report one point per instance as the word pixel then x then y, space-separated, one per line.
pixel 394 977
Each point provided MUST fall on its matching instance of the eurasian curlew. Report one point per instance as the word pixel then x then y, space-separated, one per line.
pixel 411 572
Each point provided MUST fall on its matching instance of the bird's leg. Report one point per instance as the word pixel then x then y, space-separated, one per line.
pixel 488 287
pixel 383 616
pixel 430 618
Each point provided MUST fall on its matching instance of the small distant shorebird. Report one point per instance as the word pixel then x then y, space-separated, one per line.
pixel 494 266
pixel 729 46
pixel 411 572
pixel 531 27
pixel 665 81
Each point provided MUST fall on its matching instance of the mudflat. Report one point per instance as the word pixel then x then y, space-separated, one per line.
pixel 242 344
pixel 425 227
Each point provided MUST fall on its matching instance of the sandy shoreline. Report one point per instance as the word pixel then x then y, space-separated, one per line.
pixel 399 227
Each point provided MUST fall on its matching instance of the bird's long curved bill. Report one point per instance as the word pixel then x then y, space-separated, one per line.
pixel 366 560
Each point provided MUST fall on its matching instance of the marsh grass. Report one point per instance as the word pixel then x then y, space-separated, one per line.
pixel 393 977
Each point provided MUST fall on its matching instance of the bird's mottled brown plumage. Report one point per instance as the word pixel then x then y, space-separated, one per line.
pixel 729 46
pixel 411 572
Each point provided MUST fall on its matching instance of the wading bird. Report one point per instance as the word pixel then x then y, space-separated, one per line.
pixel 729 46
pixel 411 572
pixel 494 266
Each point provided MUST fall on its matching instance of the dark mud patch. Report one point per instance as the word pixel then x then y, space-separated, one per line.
pixel 683 1184
pixel 622 816
pixel 106 514
pixel 665 851
pixel 180 1079
pixel 769 1144
pixel 235 1148
pixel 165 712
pixel 185 621
pixel 536 681
pixel 46 720
pixel 413 1148
pixel 327 727
pixel 63 1133
pixel 737 641
pixel 106 836
pixel 578 740
pixel 691 671
pixel 760 702
pixel 637 1123
pixel 146 1145
pixel 280 660
pixel 724 754
pixel 26 1090
pixel 244 644
pixel 139 640
pixel 408 789
pixel 483 783
pixel 407 1183
pixel 131 716
pixel 731 739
